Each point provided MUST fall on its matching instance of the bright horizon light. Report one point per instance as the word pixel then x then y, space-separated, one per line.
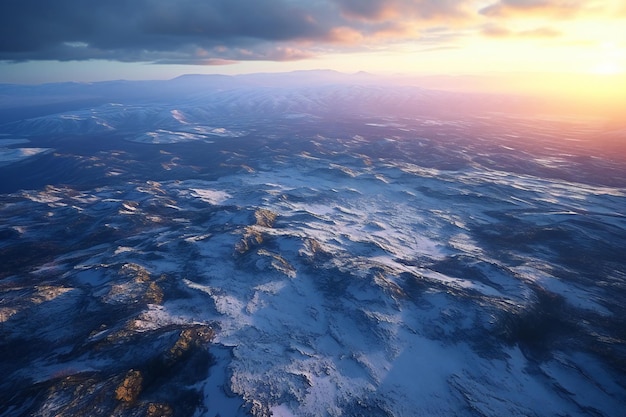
pixel 608 68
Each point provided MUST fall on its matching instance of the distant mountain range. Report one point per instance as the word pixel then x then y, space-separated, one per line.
pixel 18 101
pixel 203 102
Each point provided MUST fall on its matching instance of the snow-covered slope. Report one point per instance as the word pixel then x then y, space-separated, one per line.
pixel 204 109
pixel 11 155
pixel 352 294
pixel 271 255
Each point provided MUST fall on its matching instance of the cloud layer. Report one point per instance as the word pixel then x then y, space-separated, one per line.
pixel 224 31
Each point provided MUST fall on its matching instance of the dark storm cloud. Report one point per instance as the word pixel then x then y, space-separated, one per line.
pixel 151 29
pixel 383 9
pixel 200 31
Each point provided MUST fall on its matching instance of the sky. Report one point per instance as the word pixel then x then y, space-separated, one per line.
pixel 81 40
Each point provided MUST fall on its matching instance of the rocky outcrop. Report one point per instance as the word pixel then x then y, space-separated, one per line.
pixel 159 410
pixel 265 218
pixel 253 235
pixel 193 338
pixel 145 373
pixel 251 238
pixel 130 388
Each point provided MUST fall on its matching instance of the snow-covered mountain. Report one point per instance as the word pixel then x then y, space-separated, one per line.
pixel 256 104
pixel 327 250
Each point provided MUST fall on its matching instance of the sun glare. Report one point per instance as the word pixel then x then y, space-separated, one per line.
pixel 608 68
pixel 610 61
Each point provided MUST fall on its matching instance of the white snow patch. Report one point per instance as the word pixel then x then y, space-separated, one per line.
pixel 8 156
pixel 214 197
pixel 163 136
pixel 179 116
pixel 576 297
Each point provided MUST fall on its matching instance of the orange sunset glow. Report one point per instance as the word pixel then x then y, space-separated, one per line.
pixel 408 36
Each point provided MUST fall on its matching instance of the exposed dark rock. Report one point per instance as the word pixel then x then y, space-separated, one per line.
pixel 159 410
pixel 130 388
pixel 251 238
pixel 193 338
pixel 154 293
pixel 265 218
pixel 314 252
